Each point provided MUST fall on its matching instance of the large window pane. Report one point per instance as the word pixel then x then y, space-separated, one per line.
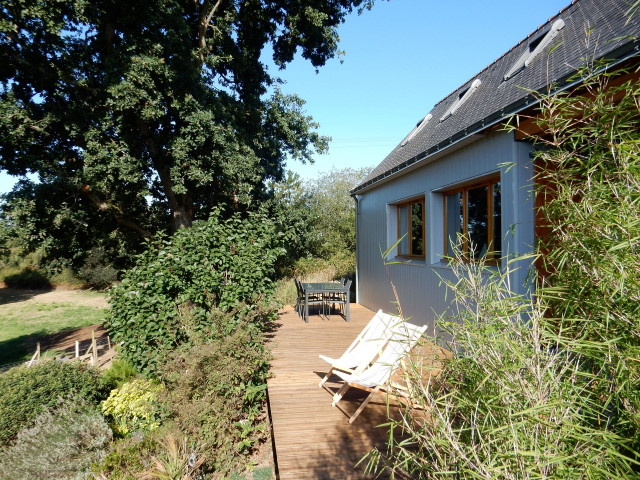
pixel 478 220
pixel 417 231
pixel 454 220
pixel 403 229
pixel 497 221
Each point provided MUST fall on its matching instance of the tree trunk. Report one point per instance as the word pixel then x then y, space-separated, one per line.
pixel 181 207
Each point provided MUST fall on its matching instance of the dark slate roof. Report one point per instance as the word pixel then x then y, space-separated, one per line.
pixel 497 99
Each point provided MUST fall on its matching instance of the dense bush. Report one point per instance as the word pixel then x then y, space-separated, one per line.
pixel 217 263
pixel 51 225
pixel 589 176
pixel 217 388
pixel 511 402
pixel 134 407
pixel 25 392
pixel 96 270
pixel 62 444
pixel 118 373
pixel 28 278
pixel 126 458
pixel 318 218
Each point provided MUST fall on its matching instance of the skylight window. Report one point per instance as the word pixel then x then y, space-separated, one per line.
pixel 419 126
pixel 463 96
pixel 535 46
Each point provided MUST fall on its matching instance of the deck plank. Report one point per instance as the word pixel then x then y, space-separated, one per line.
pixel 312 439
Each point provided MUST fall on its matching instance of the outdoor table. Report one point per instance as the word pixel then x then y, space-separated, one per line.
pixel 324 288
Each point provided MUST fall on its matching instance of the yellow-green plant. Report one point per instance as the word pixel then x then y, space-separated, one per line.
pixel 135 406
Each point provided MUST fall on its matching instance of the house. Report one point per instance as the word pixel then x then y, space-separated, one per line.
pixel 459 171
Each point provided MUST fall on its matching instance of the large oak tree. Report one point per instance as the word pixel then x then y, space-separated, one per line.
pixel 167 105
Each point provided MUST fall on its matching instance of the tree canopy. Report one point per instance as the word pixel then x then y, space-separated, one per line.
pixel 159 107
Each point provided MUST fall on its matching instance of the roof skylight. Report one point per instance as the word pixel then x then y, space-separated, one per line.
pixel 463 96
pixel 535 46
pixel 419 126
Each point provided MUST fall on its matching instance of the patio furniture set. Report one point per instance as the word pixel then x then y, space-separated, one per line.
pixel 374 356
pixel 325 295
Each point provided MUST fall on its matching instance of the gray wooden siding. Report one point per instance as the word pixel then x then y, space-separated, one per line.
pixel 417 283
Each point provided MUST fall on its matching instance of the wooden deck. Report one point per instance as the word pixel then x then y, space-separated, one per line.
pixel 314 440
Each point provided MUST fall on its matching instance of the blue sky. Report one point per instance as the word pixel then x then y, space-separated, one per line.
pixel 401 58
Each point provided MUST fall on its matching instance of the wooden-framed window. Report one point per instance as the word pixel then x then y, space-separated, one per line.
pixel 474 211
pixel 411 228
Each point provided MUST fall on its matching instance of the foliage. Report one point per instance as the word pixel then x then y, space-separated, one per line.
pixel 260 473
pixel 288 206
pixel 134 407
pixel 334 211
pixel 216 388
pixel 28 278
pixel 319 220
pixel 127 457
pixel 178 461
pixel 51 226
pixel 510 403
pixel 96 270
pixel 25 392
pixel 589 177
pixel 118 373
pixel 217 263
pixel 158 107
pixel 62 444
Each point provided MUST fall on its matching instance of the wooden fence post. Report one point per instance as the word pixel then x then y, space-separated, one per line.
pixel 94 355
pixel 36 356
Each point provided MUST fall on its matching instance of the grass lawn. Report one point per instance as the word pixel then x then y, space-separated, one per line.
pixel 28 316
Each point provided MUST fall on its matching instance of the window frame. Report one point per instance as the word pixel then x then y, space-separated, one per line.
pixel 485 182
pixel 409 203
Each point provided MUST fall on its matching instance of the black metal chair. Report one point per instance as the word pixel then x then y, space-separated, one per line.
pixel 299 297
pixel 338 298
pixel 312 299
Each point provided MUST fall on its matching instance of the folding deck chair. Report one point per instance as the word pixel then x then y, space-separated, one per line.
pixel 365 348
pixel 376 378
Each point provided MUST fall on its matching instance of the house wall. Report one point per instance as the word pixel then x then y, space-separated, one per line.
pixel 418 282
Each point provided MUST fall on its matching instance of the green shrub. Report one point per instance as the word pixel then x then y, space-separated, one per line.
pixel 118 373
pixel 96 271
pixel 590 179
pixel 25 392
pixel 63 443
pixel 217 389
pixel 28 278
pixel 217 263
pixel 512 402
pixel 66 277
pixel 134 407
pixel 127 458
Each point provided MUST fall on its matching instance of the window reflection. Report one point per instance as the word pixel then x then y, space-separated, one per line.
pixel 454 220
pixel 403 229
pixel 417 240
pixel 477 221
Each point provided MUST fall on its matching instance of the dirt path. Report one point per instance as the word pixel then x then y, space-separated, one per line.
pixel 77 297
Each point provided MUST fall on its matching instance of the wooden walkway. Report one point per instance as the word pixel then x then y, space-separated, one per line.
pixel 314 440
